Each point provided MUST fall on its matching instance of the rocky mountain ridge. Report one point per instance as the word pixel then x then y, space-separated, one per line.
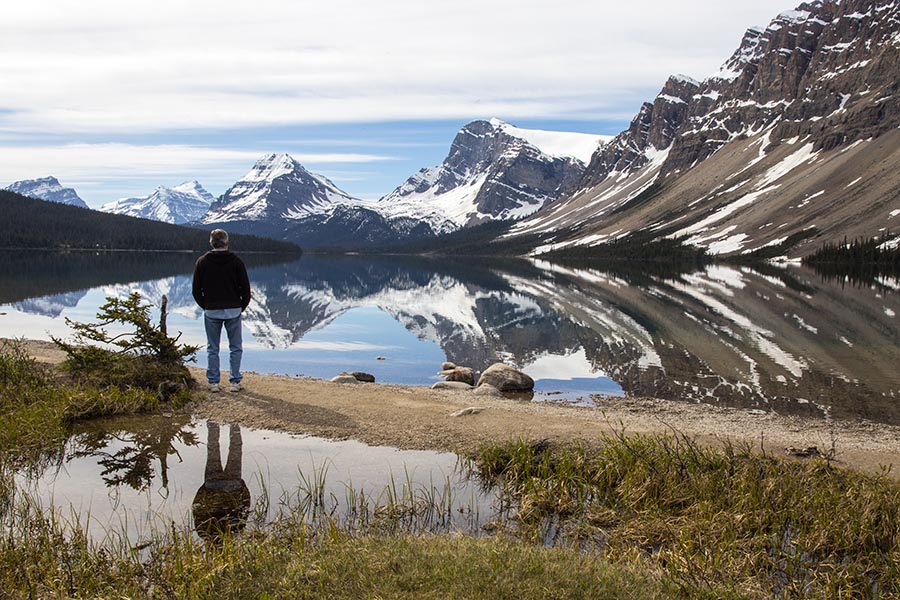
pixel 494 171
pixel 277 188
pixel 184 203
pixel 47 188
pixel 794 138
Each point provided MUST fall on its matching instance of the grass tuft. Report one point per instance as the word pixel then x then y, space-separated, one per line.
pixel 709 517
pixel 40 556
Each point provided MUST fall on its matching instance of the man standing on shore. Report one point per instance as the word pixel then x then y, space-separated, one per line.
pixel 222 289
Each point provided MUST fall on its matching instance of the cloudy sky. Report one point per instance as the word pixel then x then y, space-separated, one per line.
pixel 115 98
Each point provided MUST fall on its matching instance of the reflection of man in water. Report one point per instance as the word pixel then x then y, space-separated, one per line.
pixel 223 501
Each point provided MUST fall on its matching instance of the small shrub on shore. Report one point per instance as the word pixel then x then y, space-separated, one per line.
pixel 732 517
pixel 142 356
pixel 37 407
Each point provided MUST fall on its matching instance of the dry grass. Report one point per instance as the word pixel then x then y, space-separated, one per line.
pixel 733 519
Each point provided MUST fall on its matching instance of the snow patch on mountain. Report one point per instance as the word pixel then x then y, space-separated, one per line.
pixel 563 144
pixel 184 203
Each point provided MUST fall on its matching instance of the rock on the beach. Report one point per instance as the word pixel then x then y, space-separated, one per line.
pixel 167 389
pixel 506 379
pixel 447 366
pixel 451 385
pixel 360 376
pixel 463 374
pixel 344 379
pixel 487 390
pixel 472 410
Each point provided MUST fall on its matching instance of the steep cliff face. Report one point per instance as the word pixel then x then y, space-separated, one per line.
pixel 796 137
pixel 493 171
pixel 653 128
pixel 824 70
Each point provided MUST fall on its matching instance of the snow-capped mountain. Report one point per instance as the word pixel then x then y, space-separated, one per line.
pixel 795 138
pixel 278 189
pixel 47 188
pixel 183 203
pixel 280 198
pixel 494 171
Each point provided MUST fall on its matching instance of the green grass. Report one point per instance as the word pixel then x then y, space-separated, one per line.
pixel 37 405
pixel 734 519
pixel 40 558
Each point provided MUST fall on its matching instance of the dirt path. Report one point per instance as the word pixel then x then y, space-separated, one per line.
pixel 420 418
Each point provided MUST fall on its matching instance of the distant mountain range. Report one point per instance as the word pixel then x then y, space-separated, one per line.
pixel 47 188
pixel 183 203
pixel 794 142
pixel 493 171
pixel 34 223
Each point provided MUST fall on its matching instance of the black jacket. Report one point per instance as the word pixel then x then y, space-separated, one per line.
pixel 220 281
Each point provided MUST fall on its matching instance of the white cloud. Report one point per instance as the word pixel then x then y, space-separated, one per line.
pixel 102 65
pixel 100 70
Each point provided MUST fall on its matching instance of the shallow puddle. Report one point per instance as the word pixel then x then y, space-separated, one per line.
pixel 139 475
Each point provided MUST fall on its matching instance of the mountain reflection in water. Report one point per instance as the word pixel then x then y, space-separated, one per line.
pixel 783 339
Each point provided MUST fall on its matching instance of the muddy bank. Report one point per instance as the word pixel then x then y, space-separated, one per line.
pixel 418 417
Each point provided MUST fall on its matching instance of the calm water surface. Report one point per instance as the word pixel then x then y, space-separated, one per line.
pixel 136 476
pixel 781 340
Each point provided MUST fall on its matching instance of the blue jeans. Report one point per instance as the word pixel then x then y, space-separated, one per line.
pixel 235 347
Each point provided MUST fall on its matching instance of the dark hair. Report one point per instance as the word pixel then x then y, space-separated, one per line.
pixel 218 238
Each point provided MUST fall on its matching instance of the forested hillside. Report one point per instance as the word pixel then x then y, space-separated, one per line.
pixel 30 223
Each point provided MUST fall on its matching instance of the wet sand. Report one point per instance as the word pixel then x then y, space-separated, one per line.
pixel 417 417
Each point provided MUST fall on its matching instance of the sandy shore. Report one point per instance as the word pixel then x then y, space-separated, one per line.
pixel 418 417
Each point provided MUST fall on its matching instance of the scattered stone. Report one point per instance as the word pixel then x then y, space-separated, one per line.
pixel 487 390
pixel 167 389
pixel 757 412
pixel 344 379
pixel 472 410
pixel 360 376
pixel 506 379
pixel 807 452
pixel 447 366
pixel 463 374
pixel 451 385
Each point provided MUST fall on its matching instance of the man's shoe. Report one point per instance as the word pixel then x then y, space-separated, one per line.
pixel 236 386
pixel 214 388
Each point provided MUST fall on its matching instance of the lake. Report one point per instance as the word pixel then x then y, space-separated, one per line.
pixel 779 339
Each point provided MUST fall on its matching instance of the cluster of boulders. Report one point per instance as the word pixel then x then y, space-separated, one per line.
pixel 354 377
pixel 495 380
